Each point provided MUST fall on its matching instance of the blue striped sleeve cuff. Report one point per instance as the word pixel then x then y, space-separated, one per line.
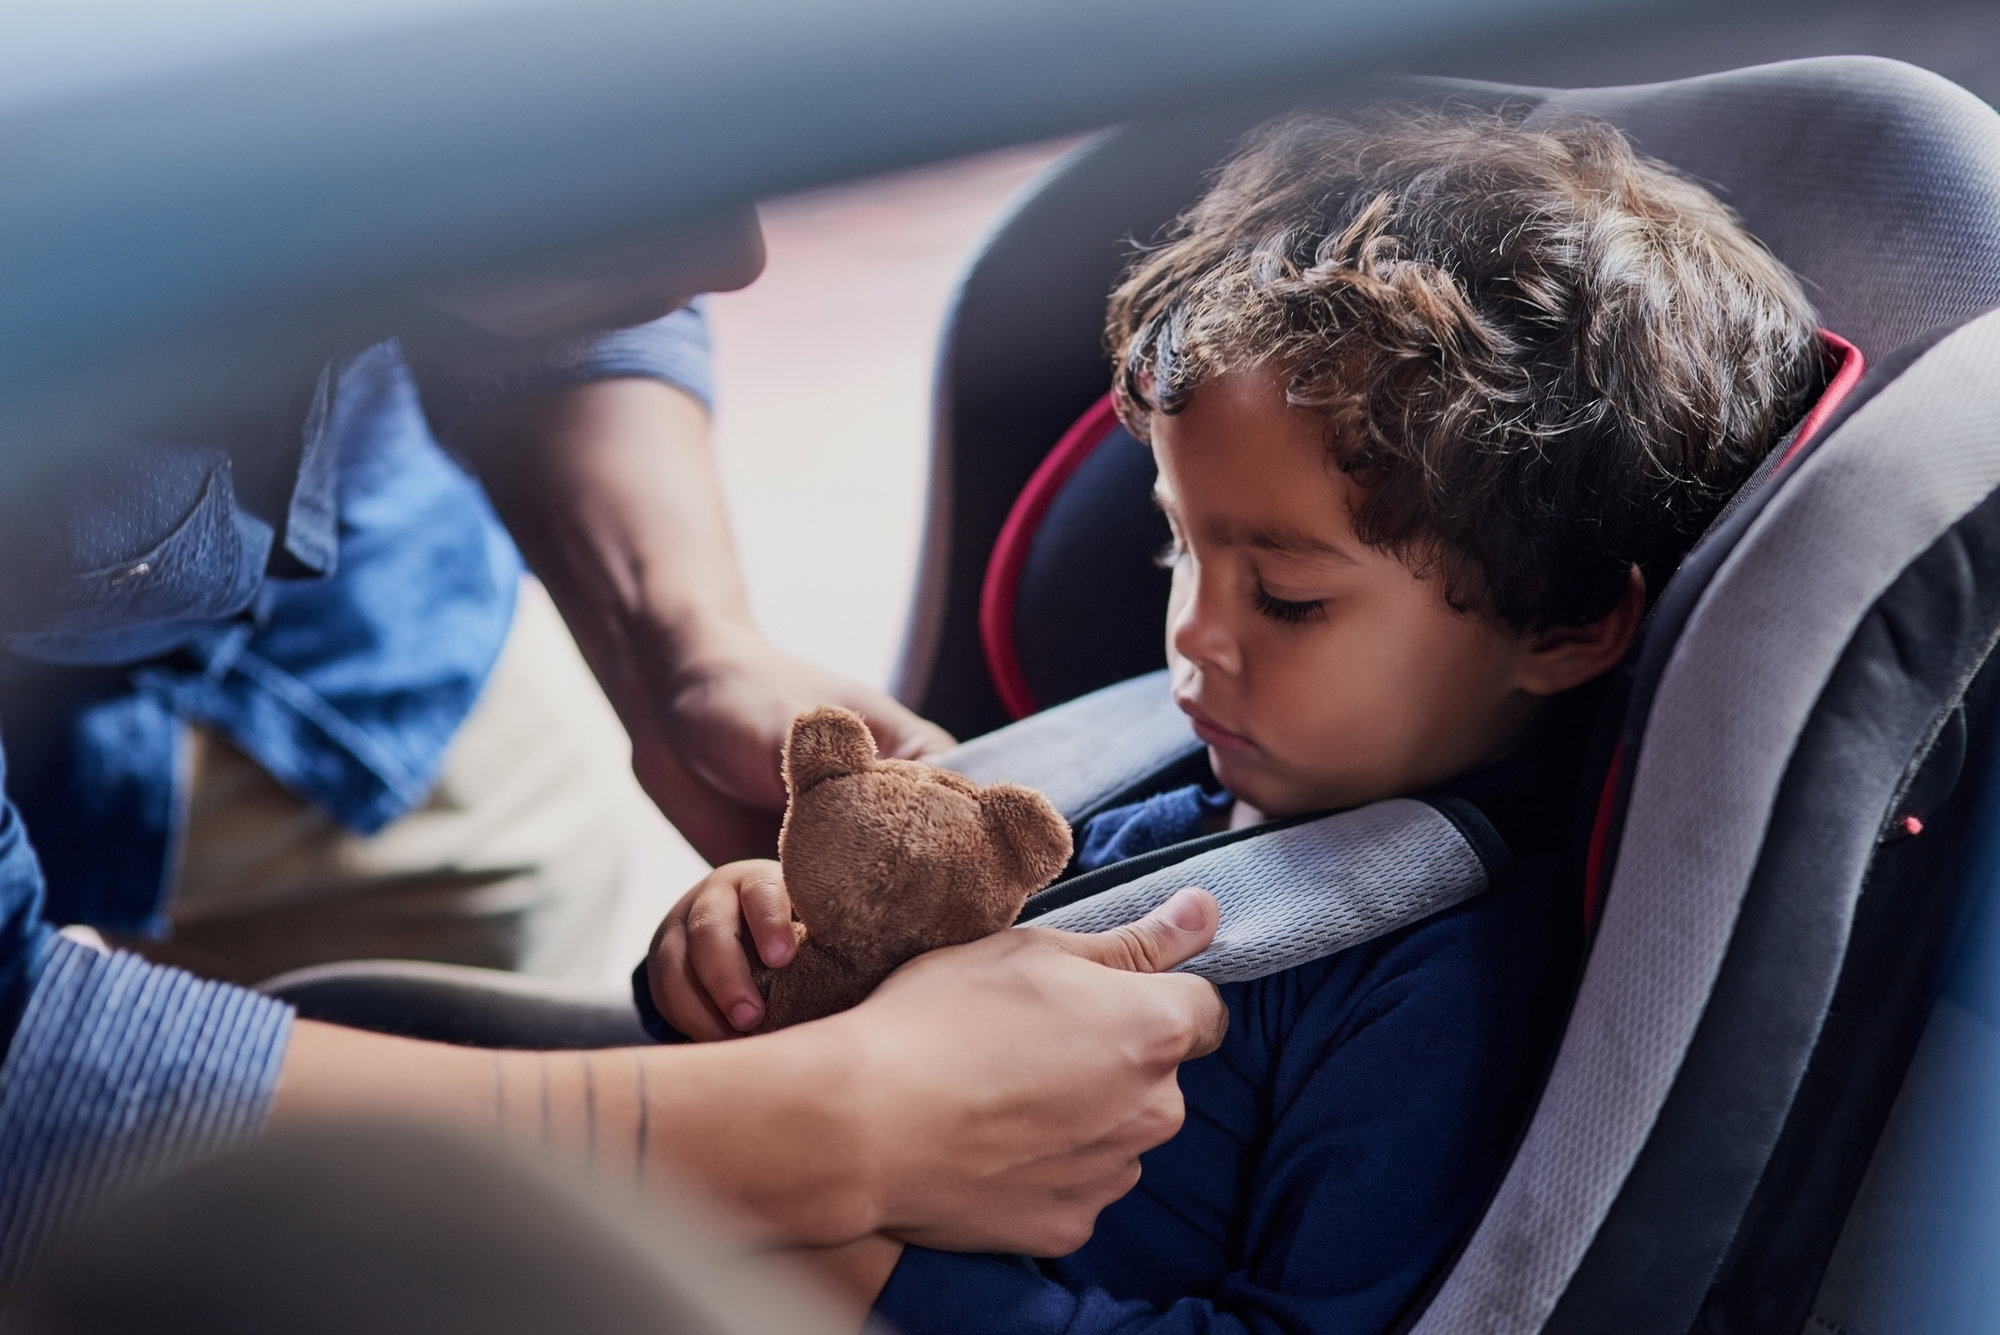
pixel 120 1072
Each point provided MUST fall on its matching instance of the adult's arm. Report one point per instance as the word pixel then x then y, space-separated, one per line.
pixel 882 1118
pixel 885 1118
pixel 114 1068
pixel 610 488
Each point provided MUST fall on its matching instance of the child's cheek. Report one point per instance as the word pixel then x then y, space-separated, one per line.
pixel 1176 603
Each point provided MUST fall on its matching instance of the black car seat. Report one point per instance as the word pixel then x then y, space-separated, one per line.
pixel 1786 836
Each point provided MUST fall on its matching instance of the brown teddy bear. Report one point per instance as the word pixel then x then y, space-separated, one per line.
pixel 886 859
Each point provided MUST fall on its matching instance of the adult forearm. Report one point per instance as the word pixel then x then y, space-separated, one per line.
pixel 939 1110
pixel 612 493
pixel 767 1127
pixel 611 490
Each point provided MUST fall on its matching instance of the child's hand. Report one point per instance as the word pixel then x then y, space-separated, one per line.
pixel 699 967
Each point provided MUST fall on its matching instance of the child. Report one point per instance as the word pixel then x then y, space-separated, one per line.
pixel 1435 399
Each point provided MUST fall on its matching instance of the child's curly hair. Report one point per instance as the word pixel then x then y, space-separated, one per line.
pixel 1544 358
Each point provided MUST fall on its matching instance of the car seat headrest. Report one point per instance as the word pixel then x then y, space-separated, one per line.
pixel 1654 646
pixel 1875 181
pixel 1818 662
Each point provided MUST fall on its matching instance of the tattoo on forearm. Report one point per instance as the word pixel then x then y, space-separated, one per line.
pixel 499 1094
pixel 639 1156
pixel 589 1111
pixel 542 1066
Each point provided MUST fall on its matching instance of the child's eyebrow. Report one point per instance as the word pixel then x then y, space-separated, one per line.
pixel 1289 542
pixel 1265 537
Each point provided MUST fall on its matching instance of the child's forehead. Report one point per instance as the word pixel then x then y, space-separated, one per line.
pixel 1243 420
pixel 1246 475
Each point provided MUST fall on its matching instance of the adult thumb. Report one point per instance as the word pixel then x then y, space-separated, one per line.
pixel 1170 935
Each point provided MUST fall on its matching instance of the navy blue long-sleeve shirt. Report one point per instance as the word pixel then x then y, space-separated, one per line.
pixel 1344 1136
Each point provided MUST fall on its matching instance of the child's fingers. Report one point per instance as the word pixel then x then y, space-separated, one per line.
pixel 675 991
pixel 767 911
pixel 716 956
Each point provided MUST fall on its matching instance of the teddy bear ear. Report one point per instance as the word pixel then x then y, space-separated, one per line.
pixel 1030 831
pixel 825 743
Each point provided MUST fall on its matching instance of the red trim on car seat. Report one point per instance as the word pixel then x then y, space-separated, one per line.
pixel 1600 836
pixel 1846 375
pixel 1010 552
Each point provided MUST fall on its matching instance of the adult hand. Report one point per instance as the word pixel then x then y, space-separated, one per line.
pixel 1010 1085
pixel 611 490
pixel 721 716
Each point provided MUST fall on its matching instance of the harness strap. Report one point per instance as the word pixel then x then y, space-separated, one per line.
pixel 1085 755
pixel 1311 889
pixel 1291 891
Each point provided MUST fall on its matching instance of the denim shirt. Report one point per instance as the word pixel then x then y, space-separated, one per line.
pixel 337 629
pixel 320 581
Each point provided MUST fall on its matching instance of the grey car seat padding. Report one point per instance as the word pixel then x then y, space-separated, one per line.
pixel 1741 682
pixel 1888 942
pixel 1290 891
pixel 1690 1179
pixel 1878 183
pixel 1089 753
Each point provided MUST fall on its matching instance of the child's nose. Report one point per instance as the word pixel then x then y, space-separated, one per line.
pixel 1199 634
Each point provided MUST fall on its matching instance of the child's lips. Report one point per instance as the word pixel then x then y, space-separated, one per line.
pixel 1211 732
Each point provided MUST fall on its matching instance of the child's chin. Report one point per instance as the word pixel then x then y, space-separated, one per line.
pixel 1226 768
pixel 1246 780
pixel 1279 795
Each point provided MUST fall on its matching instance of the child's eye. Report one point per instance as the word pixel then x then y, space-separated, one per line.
pixel 1285 609
pixel 1170 555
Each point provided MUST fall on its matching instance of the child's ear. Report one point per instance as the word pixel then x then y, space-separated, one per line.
pixel 1566 656
pixel 1031 834
pixel 825 743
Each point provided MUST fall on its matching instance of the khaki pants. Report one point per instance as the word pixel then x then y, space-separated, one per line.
pixel 516 861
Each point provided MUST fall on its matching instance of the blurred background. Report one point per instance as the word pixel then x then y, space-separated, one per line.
pixel 823 371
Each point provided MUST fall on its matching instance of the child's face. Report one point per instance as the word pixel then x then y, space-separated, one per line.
pixel 1320 671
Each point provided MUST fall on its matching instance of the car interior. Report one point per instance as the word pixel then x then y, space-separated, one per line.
pixel 1775 1038
pixel 1776 1104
